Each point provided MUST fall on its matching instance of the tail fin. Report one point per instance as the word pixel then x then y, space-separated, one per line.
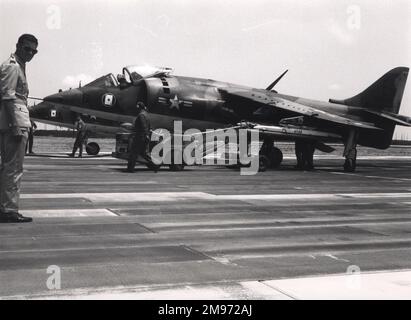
pixel 385 94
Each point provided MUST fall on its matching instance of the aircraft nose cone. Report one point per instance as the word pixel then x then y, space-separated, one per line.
pixel 71 97
pixel 40 110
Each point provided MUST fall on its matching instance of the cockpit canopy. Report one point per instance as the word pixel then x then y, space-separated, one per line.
pixel 133 74
pixel 105 81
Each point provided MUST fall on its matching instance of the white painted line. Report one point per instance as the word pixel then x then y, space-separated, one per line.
pixel 315 196
pixel 247 290
pixel 336 157
pixel 371 177
pixel 67 213
pixel 278 196
pixel 384 157
pixel 375 286
pixel 89 183
pixel 182 196
pixel 376 195
pixel 279 223
pixel 126 197
pixel 262 291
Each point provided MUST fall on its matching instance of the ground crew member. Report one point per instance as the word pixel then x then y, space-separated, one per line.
pixel 299 153
pixel 81 137
pixel 309 149
pixel 29 145
pixel 304 152
pixel 141 137
pixel 14 126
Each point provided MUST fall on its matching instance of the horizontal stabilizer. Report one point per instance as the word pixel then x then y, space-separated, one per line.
pixel 396 118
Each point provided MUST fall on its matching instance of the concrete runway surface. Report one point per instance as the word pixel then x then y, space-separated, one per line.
pixel 210 233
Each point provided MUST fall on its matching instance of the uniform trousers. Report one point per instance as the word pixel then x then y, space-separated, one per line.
pixel 13 149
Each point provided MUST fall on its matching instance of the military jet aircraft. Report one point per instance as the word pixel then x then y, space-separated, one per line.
pixel 368 118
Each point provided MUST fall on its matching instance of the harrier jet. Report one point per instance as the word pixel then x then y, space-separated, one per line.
pixel 367 119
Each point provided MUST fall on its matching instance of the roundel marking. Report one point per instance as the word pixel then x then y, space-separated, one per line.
pixel 108 100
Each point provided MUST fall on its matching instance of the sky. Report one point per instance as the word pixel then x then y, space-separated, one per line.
pixel 333 49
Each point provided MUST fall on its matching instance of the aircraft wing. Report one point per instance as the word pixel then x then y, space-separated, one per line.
pixel 268 98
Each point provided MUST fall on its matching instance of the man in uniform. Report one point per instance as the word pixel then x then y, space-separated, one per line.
pixel 81 137
pixel 30 142
pixel 14 126
pixel 299 154
pixel 304 152
pixel 141 137
pixel 309 149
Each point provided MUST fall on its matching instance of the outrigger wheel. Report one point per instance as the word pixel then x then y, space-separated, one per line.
pixel 350 163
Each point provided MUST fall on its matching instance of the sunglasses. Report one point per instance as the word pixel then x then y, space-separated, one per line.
pixel 30 50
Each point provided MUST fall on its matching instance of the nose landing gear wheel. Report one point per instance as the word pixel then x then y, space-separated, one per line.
pixel 92 148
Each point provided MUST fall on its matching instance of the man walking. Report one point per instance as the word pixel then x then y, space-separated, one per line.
pixel 141 137
pixel 14 126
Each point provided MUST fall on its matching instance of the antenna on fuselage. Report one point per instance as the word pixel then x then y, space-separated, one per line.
pixel 272 85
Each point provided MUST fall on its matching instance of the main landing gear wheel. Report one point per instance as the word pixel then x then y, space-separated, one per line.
pixel 176 167
pixel 154 167
pixel 273 154
pixel 92 148
pixel 263 163
pixel 275 157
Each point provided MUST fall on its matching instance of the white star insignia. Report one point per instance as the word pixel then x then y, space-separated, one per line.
pixel 175 103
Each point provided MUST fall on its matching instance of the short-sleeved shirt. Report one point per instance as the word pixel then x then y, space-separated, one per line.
pixel 13 82
pixel 14 87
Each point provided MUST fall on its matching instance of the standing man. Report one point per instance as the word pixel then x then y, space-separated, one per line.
pixel 304 152
pixel 14 126
pixel 141 137
pixel 309 150
pixel 30 142
pixel 299 153
pixel 81 137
